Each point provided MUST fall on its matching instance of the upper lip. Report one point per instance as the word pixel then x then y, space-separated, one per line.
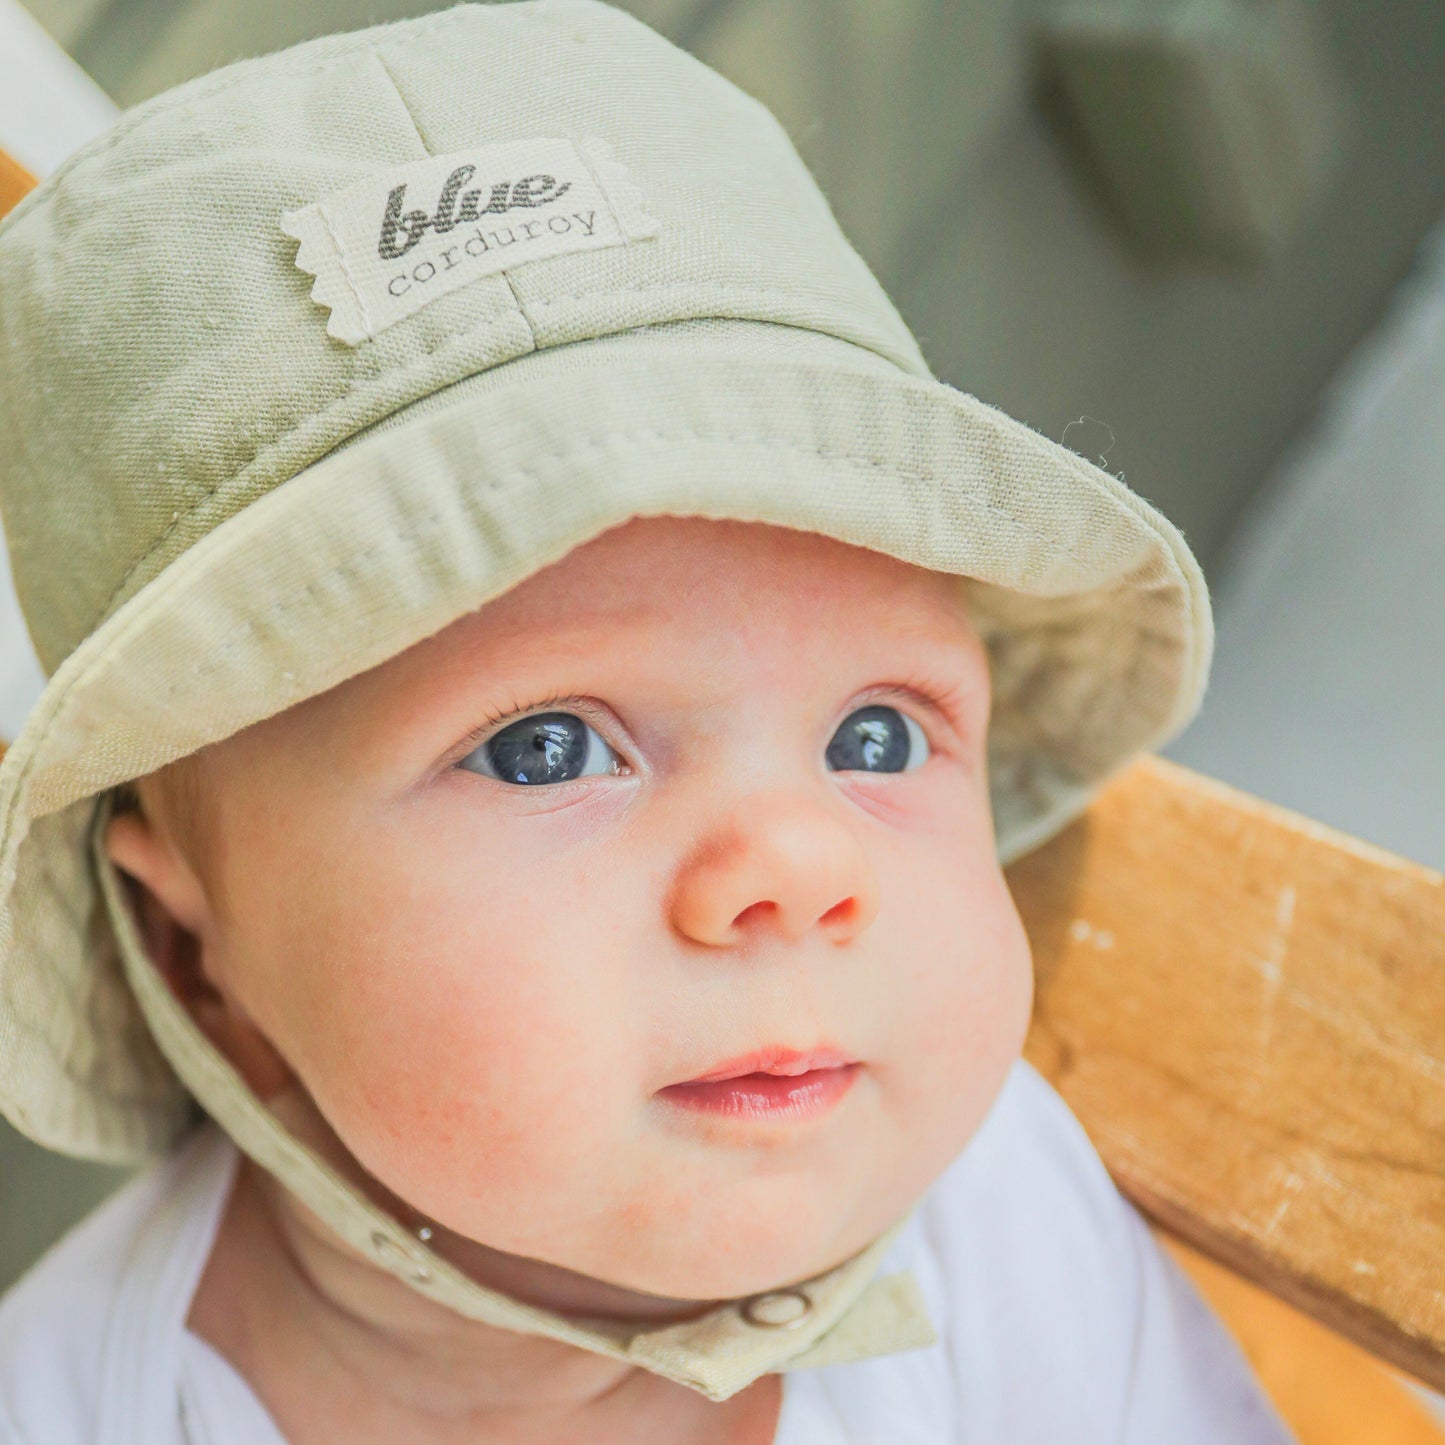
pixel 777 1059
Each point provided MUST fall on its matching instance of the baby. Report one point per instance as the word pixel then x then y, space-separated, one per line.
pixel 701 798
pixel 515 828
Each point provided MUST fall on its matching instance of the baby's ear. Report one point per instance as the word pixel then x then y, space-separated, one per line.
pixel 157 871
pixel 176 923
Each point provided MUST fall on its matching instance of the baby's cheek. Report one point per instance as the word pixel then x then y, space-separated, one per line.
pixel 969 1004
pixel 468 1076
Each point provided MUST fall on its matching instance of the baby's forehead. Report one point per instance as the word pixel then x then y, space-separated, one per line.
pixel 670 603
pixel 699 572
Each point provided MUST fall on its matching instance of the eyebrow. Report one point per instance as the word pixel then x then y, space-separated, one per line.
pixel 454 699
pixel 569 638
pixel 942 664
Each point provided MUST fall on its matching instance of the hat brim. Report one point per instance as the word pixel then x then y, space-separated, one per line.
pixel 1094 610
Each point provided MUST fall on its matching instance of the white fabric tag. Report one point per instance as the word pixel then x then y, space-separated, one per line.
pixel 384 247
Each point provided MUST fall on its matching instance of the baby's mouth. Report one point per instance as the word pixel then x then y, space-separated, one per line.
pixel 770 1084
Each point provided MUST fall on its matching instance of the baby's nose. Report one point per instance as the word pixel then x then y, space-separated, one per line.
pixel 783 864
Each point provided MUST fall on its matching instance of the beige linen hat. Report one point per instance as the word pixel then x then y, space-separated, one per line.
pixel 306 358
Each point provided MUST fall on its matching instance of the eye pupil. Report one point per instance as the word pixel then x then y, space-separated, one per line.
pixel 549 747
pixel 874 739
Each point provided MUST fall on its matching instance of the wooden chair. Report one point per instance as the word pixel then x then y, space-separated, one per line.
pixel 1245 1009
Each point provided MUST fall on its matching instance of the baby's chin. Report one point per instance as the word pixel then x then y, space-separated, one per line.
pixel 672 1249
pixel 668 1271
pixel 652 1279
pixel 662 1283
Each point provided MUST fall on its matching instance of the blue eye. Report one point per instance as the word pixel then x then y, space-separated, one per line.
pixel 877 739
pixel 547 747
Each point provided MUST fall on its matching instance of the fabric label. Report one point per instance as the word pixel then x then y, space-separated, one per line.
pixel 383 248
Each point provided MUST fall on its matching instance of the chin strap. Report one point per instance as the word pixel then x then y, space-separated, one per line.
pixel 841 1315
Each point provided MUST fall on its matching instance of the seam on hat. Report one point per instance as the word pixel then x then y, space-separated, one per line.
pixel 1129 689
pixel 430 150
pixel 345 265
pixel 401 101
pixel 148 1093
pixel 1129 504
pixel 521 309
pixel 216 654
pixel 416 363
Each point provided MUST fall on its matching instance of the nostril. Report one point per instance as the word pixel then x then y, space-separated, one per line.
pixel 754 912
pixel 840 915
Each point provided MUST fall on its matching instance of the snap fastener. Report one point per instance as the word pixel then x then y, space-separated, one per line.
pixel 391 1253
pixel 780 1309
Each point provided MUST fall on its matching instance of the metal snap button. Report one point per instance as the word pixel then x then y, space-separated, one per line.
pixel 392 1254
pixel 779 1309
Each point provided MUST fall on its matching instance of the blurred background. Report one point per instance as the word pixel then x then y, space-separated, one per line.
pixel 1198 241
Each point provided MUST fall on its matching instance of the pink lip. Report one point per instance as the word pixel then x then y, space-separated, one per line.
pixel 766 1096
pixel 776 1059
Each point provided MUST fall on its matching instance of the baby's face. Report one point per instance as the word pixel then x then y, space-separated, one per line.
pixel 698 789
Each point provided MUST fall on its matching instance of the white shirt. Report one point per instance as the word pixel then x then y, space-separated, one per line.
pixel 1060 1320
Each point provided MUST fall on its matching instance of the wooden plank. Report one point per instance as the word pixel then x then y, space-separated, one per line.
pixel 15 181
pixel 1246 1010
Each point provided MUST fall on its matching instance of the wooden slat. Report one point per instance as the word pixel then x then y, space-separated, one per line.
pixel 15 180
pixel 1246 1010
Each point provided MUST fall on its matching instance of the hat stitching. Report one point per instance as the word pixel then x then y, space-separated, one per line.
pixel 1063 626
pixel 606 191
pixel 791 293
pixel 506 276
pixel 313 420
pixel 345 265
pixel 158 1086
pixel 215 655
pixel 427 149
pixel 1107 488
pixel 691 287
pixel 12 805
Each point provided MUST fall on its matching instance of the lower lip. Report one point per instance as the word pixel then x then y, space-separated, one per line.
pixel 767 1096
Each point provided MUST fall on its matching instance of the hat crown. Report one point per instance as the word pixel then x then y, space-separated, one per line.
pixel 165 359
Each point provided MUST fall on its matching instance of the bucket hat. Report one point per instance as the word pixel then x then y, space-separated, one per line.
pixel 306 358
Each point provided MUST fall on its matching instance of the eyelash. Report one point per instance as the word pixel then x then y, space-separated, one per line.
pixel 517 710
pixel 934 700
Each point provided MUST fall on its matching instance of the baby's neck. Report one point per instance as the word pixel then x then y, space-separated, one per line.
pixel 335 1349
